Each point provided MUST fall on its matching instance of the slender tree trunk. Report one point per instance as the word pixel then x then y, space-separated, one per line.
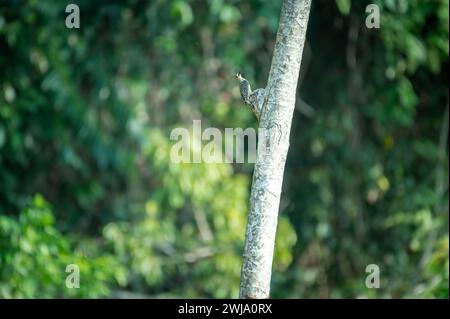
pixel 276 121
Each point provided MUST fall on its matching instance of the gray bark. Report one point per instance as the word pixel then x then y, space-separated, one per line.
pixel 275 120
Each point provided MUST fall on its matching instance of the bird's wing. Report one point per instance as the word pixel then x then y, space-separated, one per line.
pixel 245 89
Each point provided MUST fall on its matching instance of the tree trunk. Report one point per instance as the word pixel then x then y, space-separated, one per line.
pixel 275 121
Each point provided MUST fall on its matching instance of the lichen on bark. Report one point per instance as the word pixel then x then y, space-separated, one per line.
pixel 275 120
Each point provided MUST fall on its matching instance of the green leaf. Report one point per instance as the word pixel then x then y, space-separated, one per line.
pixel 183 11
pixel 344 6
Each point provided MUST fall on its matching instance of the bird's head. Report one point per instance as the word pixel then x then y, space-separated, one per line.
pixel 239 76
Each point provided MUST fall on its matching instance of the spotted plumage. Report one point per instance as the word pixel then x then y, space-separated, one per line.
pixel 253 98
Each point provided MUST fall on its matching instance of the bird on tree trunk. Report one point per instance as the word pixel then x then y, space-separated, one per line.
pixel 253 98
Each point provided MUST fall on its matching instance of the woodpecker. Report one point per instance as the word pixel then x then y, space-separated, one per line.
pixel 253 98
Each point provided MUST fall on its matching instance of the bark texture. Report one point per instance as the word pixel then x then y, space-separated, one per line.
pixel 275 121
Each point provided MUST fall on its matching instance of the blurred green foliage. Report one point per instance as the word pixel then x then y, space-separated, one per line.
pixel 85 118
pixel 34 256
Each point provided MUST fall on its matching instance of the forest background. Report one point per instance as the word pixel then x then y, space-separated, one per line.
pixel 85 170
